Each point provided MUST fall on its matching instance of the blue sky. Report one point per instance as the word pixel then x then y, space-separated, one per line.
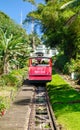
pixel 13 9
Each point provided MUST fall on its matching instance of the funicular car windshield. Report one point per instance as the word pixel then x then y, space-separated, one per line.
pixel 40 61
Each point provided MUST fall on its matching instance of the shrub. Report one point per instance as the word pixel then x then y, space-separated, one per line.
pixel 61 60
pixel 74 66
pixel 2 82
pixel 66 68
pixel 2 104
pixel 14 78
pixel 10 83
pixel 10 80
pixel 1 67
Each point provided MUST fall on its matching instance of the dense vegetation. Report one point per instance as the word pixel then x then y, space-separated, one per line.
pixel 15 47
pixel 60 24
pixel 14 44
pixel 13 56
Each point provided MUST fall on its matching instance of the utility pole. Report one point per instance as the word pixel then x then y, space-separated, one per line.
pixel 21 18
pixel 32 31
pixel 33 37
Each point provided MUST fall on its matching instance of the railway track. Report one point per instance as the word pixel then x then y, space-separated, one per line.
pixel 41 116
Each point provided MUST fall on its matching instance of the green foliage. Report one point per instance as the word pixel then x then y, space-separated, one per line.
pixel 67 14
pixel 74 66
pixel 66 68
pixel 71 66
pixel 2 107
pixel 10 80
pixel 60 26
pixel 9 85
pixel 71 44
pixel 14 78
pixel 2 104
pixel 1 67
pixel 18 74
pixel 13 44
pixel 70 4
pixel 61 60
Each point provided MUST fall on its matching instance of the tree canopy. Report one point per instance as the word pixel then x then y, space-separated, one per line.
pixel 56 19
pixel 13 43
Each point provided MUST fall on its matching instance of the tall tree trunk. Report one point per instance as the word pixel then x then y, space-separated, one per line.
pixel 5 64
pixel 33 43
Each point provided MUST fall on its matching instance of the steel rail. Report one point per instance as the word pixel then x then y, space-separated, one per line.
pixel 42 116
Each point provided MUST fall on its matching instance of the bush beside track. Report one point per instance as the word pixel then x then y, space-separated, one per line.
pixel 65 102
pixel 9 85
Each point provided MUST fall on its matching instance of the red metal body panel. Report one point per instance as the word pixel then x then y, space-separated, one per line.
pixel 40 72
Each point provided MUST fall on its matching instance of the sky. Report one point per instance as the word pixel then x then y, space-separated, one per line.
pixel 17 9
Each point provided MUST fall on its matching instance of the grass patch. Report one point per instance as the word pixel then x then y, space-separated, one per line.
pixel 65 102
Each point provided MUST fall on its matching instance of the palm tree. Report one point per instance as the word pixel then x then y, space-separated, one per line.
pixel 72 4
pixel 8 47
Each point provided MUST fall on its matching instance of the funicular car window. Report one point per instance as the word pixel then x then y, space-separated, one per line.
pixel 40 61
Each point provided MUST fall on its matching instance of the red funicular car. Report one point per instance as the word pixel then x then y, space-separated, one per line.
pixel 40 69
